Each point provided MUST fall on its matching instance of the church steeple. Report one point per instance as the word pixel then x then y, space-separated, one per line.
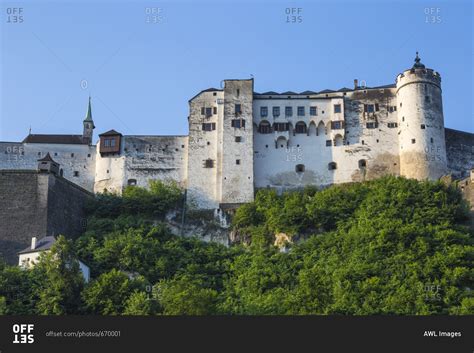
pixel 88 124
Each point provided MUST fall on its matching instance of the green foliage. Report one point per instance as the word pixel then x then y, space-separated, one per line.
pixel 153 202
pixel 186 295
pixel 109 294
pixel 57 280
pixel 389 246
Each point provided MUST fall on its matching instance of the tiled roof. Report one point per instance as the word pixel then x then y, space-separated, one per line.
pixel 110 133
pixel 59 139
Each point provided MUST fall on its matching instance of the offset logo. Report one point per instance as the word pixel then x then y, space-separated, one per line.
pixel 23 333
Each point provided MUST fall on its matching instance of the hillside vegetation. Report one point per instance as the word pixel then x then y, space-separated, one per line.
pixel 390 246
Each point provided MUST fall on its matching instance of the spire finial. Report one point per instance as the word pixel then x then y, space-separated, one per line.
pixel 418 64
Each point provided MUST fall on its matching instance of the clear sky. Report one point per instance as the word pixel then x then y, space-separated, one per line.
pixel 141 74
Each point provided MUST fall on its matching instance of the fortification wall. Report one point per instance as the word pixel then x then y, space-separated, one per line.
pixel 37 204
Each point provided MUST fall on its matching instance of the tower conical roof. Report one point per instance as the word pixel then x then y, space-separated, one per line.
pixel 89 111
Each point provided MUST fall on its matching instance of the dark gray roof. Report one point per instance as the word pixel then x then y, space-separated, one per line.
pixel 46 158
pixel 43 244
pixel 308 92
pixel 270 92
pixel 111 133
pixel 344 89
pixel 327 91
pixel 59 139
pixel 289 92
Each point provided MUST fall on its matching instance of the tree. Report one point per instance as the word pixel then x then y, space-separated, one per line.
pixel 58 280
pixel 138 304
pixel 184 295
pixel 108 294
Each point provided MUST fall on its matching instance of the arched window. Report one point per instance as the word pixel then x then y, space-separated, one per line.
pixel 362 163
pixel 321 129
pixel 300 127
pixel 299 168
pixel 332 166
pixel 281 142
pixel 312 128
pixel 264 127
pixel 338 141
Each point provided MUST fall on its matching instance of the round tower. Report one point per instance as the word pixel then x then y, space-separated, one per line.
pixel 422 145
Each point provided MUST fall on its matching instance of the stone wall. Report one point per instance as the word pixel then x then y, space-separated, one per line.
pixel 460 152
pixel 37 204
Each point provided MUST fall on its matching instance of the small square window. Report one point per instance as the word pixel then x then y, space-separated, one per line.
pixel 313 111
pixel 209 163
pixel 423 126
pixel 238 138
pixel 76 173
pixel 301 111
pixel 337 108
pixel 263 111
pixel 237 161
pixel 238 109
pixel 299 168
pixel 328 143
pixel 288 111
pixel 208 112
pixel 276 111
pixel 413 140
pixel 55 153
pixel 214 110
pixel 72 154
pixel 88 155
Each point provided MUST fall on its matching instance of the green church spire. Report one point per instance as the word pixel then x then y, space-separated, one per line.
pixel 89 111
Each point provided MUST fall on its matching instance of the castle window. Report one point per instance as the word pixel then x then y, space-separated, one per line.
pixel 88 155
pixel 72 154
pixel 427 99
pixel 263 111
pixel 376 107
pixel 266 146
pixel 300 127
pixel 76 173
pixel 413 140
pixel 431 140
pixel 372 125
pixel 61 172
pixel 332 166
pixel 299 168
pixel 203 111
pixel 403 118
pixel 238 109
pixel 132 182
pixel 328 143
pixel 208 163
pixel 362 163
pixel 55 153
pixel 368 108
pixel 238 92
pixel 337 108
pixel 208 143
pixel 264 127
pixel 208 112
pixel 423 126
pixel 276 111
pixel 288 111
pixel 214 93
pixel 300 111
pixel 363 142
pixel 237 123
pixel 214 110
pixel 401 104
pixel 238 138
pixel 182 146
pixel 208 126
pixel 313 111
pixel 237 161
pixel 392 125
pixel 336 125
pixel 281 126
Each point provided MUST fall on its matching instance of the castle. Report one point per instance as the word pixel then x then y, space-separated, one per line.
pixel 240 140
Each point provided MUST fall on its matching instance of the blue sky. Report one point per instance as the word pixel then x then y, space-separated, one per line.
pixel 141 75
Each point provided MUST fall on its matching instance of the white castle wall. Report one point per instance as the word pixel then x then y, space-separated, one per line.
pixel 71 157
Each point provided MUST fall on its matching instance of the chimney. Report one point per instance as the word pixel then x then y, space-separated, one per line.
pixel 356 83
pixel 33 243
